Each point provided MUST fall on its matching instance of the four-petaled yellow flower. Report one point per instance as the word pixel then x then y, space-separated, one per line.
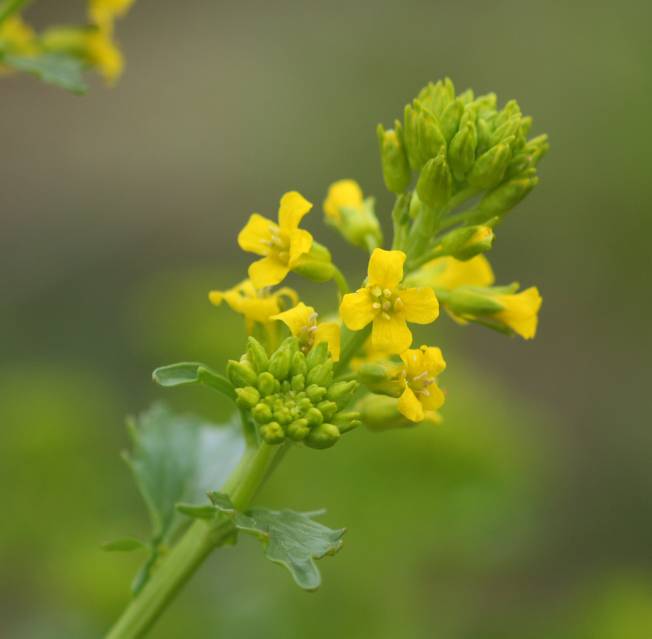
pixel 343 193
pixel 104 12
pixel 421 395
pixel 282 245
pixel 388 306
pixel 257 306
pixel 302 322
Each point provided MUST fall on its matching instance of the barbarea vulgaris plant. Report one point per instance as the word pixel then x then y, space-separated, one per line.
pixel 306 379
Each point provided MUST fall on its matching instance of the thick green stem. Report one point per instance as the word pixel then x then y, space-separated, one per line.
pixel 196 544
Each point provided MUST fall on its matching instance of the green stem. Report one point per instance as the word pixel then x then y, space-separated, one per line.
pixel 351 347
pixel 196 544
pixel 340 280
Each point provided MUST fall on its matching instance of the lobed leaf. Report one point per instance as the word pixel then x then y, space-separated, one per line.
pixel 59 69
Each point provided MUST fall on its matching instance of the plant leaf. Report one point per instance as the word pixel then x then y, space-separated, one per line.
pixel 192 373
pixel 177 458
pixel 60 69
pixel 290 538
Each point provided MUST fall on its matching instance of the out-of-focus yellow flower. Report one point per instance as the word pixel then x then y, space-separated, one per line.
pixel 16 36
pixel 281 245
pixel 521 311
pixel 104 12
pixel 103 53
pixel 383 302
pixel 257 306
pixel 448 273
pixel 422 394
pixel 343 193
pixel 302 322
pixel 367 355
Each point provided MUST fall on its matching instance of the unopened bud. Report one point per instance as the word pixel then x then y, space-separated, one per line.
pixel 449 120
pixel 322 374
pixel 272 433
pixel 470 301
pixel 346 422
pixel 342 392
pixel 257 355
pixel 318 355
pixel 298 430
pixel 314 416
pixel 489 168
pixel 279 362
pixel 241 373
pixel 327 408
pixel 382 378
pixel 247 397
pixel 323 436
pixel 381 413
pixel 435 183
pixel 502 199
pixel 422 135
pixel 315 393
pixel 461 152
pixel 396 169
pixel 266 384
pixel 262 413
pixel 299 366
pixel 315 270
pixel 298 382
pixel 467 242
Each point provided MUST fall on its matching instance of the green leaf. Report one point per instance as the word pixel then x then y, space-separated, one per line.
pixel 55 68
pixel 126 544
pixel 291 539
pixel 178 458
pixel 192 373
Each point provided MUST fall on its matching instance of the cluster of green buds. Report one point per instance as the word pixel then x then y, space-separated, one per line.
pixel 459 147
pixel 292 395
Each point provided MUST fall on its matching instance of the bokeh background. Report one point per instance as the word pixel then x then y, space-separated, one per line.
pixel 526 514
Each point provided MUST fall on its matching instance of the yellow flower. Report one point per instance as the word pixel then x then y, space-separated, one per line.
pixel 343 193
pixel 387 305
pixel 521 311
pixel 302 322
pixel 16 36
pixel 421 395
pixel 104 12
pixel 448 273
pixel 282 244
pixel 102 52
pixel 256 305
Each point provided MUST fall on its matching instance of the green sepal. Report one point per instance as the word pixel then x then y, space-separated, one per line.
pixel 291 539
pixel 192 373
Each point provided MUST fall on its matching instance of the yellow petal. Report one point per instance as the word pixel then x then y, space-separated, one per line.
pixel 356 310
pixel 390 335
pixel 343 193
pixel 292 209
pixel 267 272
pixel 434 398
pixel 300 243
pixel 420 305
pixel 410 406
pixel 521 311
pixel 433 359
pixel 386 268
pixel 288 292
pixel 329 332
pixel 413 360
pixel 256 236
pixel 215 297
pixel 261 309
pixel 449 273
pixel 297 318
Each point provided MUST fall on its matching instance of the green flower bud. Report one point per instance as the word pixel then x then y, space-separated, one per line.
pixel 257 355
pixel 468 300
pixel 502 199
pixel 272 433
pixel 248 396
pixel 314 417
pixel 450 119
pixel 461 153
pixel 282 416
pixel 346 422
pixel 506 130
pixel 322 374
pixel 327 408
pixel 396 169
pixel 324 436
pixel 315 270
pixel 342 392
pixel 281 359
pixel 537 148
pixel 318 354
pixel 305 404
pixel 381 413
pixel 298 382
pixel 489 168
pixel 267 384
pixel 262 413
pixel 485 103
pixel 437 96
pixel 299 366
pixel 510 110
pixel 422 135
pixel 298 430
pixel 382 378
pixel 483 132
pixel 319 252
pixel 241 373
pixel 466 242
pixel 435 184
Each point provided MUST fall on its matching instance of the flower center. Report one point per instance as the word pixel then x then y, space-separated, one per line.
pixel 385 302
pixel 420 383
pixel 278 244
pixel 307 334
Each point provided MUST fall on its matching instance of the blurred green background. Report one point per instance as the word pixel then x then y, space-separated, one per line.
pixel 526 514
